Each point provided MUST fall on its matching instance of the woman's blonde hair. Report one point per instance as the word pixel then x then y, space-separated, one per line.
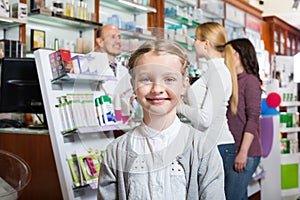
pixel 160 47
pixel 217 35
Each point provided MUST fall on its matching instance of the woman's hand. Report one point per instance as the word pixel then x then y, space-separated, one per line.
pixel 240 162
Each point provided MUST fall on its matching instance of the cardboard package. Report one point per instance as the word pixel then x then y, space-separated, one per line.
pixel 19 11
pixel 61 63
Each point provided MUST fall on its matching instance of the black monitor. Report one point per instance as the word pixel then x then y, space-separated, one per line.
pixel 20 90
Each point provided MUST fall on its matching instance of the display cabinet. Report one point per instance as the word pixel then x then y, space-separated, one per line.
pixel 183 16
pixel 77 149
pixel 132 18
pixel 289 157
pixel 243 20
pixel 80 32
pixel 280 37
pixel 7 23
pixel 180 22
pixel 282 164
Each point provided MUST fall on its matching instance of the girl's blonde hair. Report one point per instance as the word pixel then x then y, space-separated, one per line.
pixel 217 35
pixel 160 47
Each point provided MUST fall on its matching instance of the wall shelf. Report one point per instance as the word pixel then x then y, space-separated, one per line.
pixel 126 5
pixel 8 22
pixel 182 3
pixel 132 34
pixel 62 21
pixel 181 20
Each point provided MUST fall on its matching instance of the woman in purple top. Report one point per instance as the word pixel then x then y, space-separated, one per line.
pixel 245 124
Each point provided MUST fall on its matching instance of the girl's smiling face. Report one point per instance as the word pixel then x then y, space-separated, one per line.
pixel 158 83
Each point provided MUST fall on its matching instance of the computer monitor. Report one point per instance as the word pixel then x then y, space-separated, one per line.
pixel 20 90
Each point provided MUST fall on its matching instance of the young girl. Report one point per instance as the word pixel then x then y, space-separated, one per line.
pixel 162 158
pixel 213 92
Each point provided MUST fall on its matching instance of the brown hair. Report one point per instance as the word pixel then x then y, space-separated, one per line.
pixel 217 35
pixel 248 57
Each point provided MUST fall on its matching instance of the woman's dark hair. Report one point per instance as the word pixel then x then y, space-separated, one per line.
pixel 247 53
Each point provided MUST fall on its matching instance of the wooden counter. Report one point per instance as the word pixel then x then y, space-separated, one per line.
pixel 34 146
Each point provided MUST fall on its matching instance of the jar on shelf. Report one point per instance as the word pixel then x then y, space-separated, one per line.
pixel 58 7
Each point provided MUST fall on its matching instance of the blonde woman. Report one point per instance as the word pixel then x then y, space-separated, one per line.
pixel 209 96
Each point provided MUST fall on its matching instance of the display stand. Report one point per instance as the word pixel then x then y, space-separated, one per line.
pixel 81 141
pixel 271 183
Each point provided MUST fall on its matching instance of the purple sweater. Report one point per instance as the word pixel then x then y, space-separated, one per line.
pixel 247 117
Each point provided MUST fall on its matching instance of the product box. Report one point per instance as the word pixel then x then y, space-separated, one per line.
pixel 4 8
pixel 75 170
pixel 90 167
pixel 108 111
pixel 284 146
pixel 95 63
pixel 19 11
pixel 61 63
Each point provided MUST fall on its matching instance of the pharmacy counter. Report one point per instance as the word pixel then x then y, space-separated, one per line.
pixel 34 146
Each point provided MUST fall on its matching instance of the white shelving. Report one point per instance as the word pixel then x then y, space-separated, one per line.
pixel 290 130
pixel 80 141
pixel 290 169
pixel 7 22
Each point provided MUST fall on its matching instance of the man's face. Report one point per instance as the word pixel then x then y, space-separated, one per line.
pixel 110 41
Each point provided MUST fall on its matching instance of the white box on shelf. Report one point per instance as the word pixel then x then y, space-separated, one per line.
pixel 19 11
pixel 4 8
pixel 93 63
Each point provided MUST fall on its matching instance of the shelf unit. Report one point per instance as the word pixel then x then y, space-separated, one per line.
pixel 242 19
pixel 132 19
pixel 80 140
pixel 280 37
pixel 128 6
pixel 7 23
pixel 290 162
pixel 70 25
pixel 62 21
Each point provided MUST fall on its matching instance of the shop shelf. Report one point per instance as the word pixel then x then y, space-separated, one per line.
pixel 81 78
pixel 127 5
pixel 8 22
pixel 61 21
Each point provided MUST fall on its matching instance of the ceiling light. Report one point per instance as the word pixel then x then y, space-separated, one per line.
pixel 295 5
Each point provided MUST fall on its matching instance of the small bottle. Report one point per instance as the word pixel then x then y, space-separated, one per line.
pixel 56 44
pixel 68 9
pixel 84 10
pixel 78 10
pixel 72 9
pixel 117 106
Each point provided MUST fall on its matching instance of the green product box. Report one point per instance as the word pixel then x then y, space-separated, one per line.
pixel 289 120
pixel 289 176
pixel 284 146
pixel 282 118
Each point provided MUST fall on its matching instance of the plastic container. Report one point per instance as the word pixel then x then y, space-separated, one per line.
pixel 15 174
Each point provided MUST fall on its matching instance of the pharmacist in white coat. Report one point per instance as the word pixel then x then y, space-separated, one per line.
pixel 108 41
